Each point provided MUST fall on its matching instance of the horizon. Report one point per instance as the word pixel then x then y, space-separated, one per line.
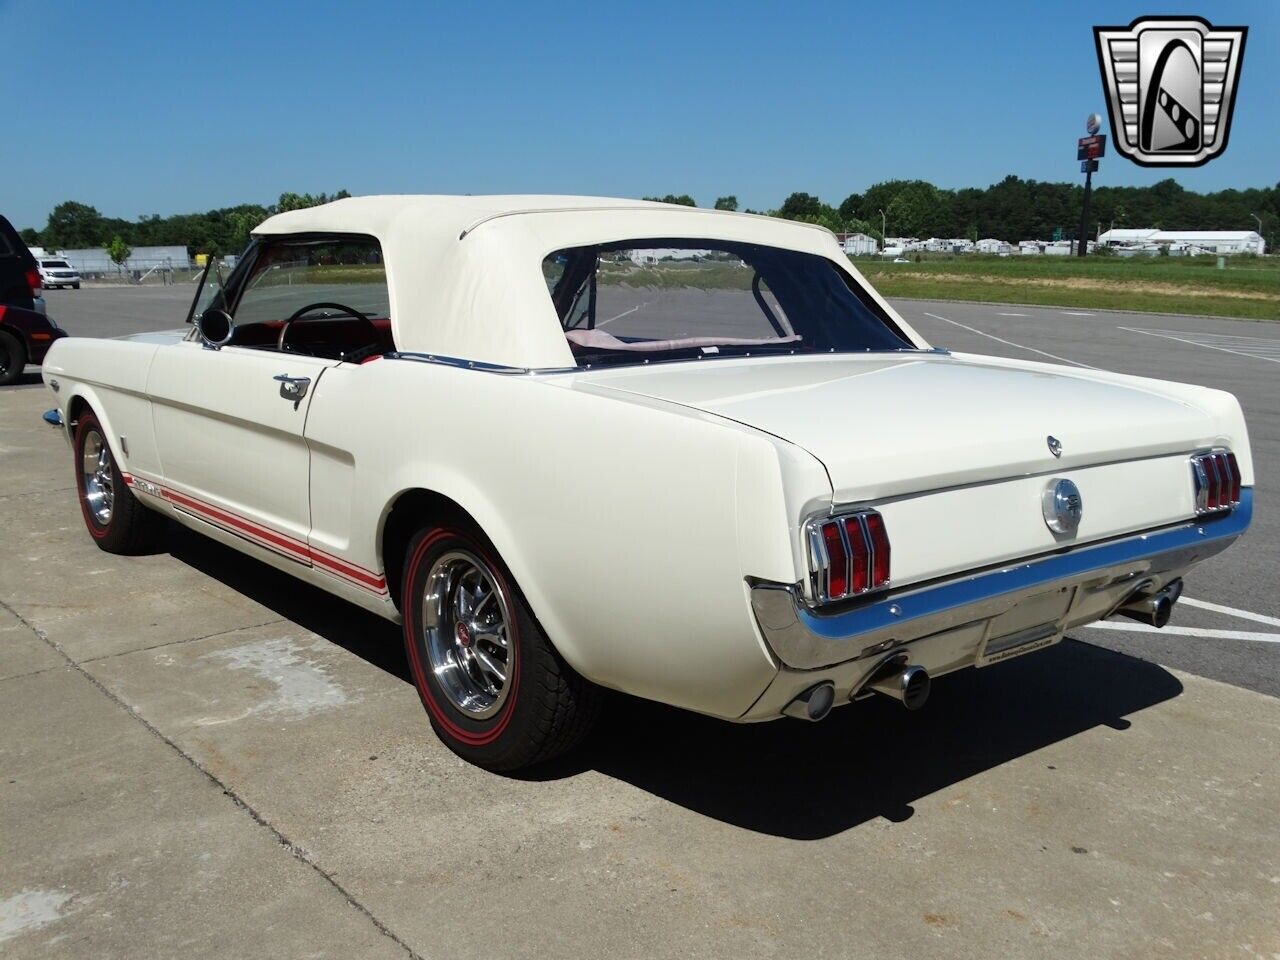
pixel 681 101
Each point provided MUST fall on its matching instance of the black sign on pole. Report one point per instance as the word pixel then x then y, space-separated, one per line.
pixel 1091 148
pixel 1088 150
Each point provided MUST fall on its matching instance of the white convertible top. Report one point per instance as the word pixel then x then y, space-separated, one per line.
pixel 465 273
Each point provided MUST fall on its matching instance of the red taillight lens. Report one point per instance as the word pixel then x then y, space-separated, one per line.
pixel 879 549
pixel 1217 479
pixel 1233 466
pixel 859 579
pixel 850 555
pixel 33 280
pixel 837 561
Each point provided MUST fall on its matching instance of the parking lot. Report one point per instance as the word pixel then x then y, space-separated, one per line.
pixel 204 757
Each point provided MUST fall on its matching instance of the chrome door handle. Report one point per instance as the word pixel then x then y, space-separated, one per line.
pixel 293 388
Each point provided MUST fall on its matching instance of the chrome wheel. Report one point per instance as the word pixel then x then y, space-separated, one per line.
pixel 99 487
pixel 465 617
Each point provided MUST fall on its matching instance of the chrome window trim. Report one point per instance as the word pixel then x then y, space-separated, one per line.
pixel 806 638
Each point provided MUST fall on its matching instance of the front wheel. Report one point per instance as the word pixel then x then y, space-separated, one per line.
pixel 115 519
pixel 75 286
pixel 497 692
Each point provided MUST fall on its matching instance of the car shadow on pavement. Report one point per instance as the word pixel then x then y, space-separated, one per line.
pixel 787 778
pixel 807 781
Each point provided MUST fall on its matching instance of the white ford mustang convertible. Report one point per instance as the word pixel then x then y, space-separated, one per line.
pixel 574 443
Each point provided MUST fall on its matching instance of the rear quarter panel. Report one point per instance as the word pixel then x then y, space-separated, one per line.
pixel 619 520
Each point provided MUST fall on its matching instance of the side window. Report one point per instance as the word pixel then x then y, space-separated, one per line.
pixel 290 275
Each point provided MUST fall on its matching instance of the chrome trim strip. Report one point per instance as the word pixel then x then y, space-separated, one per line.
pixel 476 364
pixel 805 638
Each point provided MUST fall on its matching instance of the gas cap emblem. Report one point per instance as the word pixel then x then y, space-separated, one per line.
pixel 1055 445
pixel 1062 506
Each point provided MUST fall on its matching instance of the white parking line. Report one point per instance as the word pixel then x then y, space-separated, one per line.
pixel 1259 348
pixel 1070 314
pixel 1186 631
pixel 1013 314
pixel 1232 611
pixel 1009 343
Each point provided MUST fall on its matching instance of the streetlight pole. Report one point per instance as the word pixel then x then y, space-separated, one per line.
pixel 883 236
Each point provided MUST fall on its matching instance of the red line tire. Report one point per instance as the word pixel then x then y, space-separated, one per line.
pixel 128 527
pixel 547 708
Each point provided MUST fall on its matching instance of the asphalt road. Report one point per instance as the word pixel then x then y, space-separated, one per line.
pixel 204 757
pixel 1240 356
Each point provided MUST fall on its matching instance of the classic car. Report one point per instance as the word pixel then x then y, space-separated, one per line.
pixel 25 337
pixel 580 443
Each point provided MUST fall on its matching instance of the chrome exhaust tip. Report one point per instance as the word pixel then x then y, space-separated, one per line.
pixel 814 704
pixel 1153 609
pixel 909 686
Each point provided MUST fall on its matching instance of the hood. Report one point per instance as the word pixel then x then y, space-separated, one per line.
pixel 890 424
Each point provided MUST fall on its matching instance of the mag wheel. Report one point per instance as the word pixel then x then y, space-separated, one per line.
pixel 497 692
pixel 114 517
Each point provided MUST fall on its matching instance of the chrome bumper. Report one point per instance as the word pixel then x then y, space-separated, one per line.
pixel 1099 577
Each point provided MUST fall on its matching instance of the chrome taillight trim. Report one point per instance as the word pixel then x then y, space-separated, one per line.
pixel 820 559
pixel 1217 472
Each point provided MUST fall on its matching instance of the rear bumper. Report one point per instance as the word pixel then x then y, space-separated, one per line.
pixel 1092 581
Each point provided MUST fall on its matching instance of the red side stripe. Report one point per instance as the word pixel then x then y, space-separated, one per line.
pixel 280 542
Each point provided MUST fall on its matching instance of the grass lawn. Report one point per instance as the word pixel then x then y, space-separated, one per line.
pixel 1249 287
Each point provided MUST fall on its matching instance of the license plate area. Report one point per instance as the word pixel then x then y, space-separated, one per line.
pixel 1033 624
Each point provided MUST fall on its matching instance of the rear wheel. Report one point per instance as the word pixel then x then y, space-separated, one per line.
pixel 13 358
pixel 116 520
pixel 497 692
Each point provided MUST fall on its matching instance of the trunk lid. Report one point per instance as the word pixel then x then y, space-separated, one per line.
pixel 889 425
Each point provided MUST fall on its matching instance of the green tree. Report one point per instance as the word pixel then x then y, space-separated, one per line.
pixel 799 206
pixel 683 200
pixel 727 203
pixel 74 225
pixel 29 236
pixel 118 251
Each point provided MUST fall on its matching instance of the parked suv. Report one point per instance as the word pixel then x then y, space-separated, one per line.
pixel 25 332
pixel 56 273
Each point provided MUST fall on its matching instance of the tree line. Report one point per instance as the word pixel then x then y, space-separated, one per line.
pixel 1013 209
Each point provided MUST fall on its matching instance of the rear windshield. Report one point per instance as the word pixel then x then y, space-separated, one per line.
pixel 642 300
pixel 61 264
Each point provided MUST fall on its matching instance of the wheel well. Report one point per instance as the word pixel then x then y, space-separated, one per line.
pixel 411 511
pixel 78 406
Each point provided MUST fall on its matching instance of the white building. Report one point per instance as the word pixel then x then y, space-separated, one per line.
pixel 1203 241
pixel 998 247
pixel 1030 248
pixel 141 258
pixel 857 244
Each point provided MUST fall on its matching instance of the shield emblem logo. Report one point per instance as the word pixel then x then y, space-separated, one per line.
pixel 1171 88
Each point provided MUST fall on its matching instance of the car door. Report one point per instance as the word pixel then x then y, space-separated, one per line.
pixel 229 431
pixel 229 421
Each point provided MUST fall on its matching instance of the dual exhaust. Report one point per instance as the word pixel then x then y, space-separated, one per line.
pixel 1153 609
pixel 909 685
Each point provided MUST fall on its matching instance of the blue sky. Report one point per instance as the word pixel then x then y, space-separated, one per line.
pixel 183 106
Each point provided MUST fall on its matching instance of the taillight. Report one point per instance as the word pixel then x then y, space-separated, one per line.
pixel 849 555
pixel 33 280
pixel 1217 480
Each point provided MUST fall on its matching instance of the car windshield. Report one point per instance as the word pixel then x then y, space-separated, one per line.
pixel 61 264
pixel 662 299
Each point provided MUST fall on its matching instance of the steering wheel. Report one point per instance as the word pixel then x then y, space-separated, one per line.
pixel 299 315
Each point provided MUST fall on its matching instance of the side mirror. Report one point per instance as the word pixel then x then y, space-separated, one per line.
pixel 216 328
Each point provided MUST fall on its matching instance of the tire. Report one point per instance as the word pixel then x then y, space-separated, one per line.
pixel 115 519
pixel 541 707
pixel 75 286
pixel 13 358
